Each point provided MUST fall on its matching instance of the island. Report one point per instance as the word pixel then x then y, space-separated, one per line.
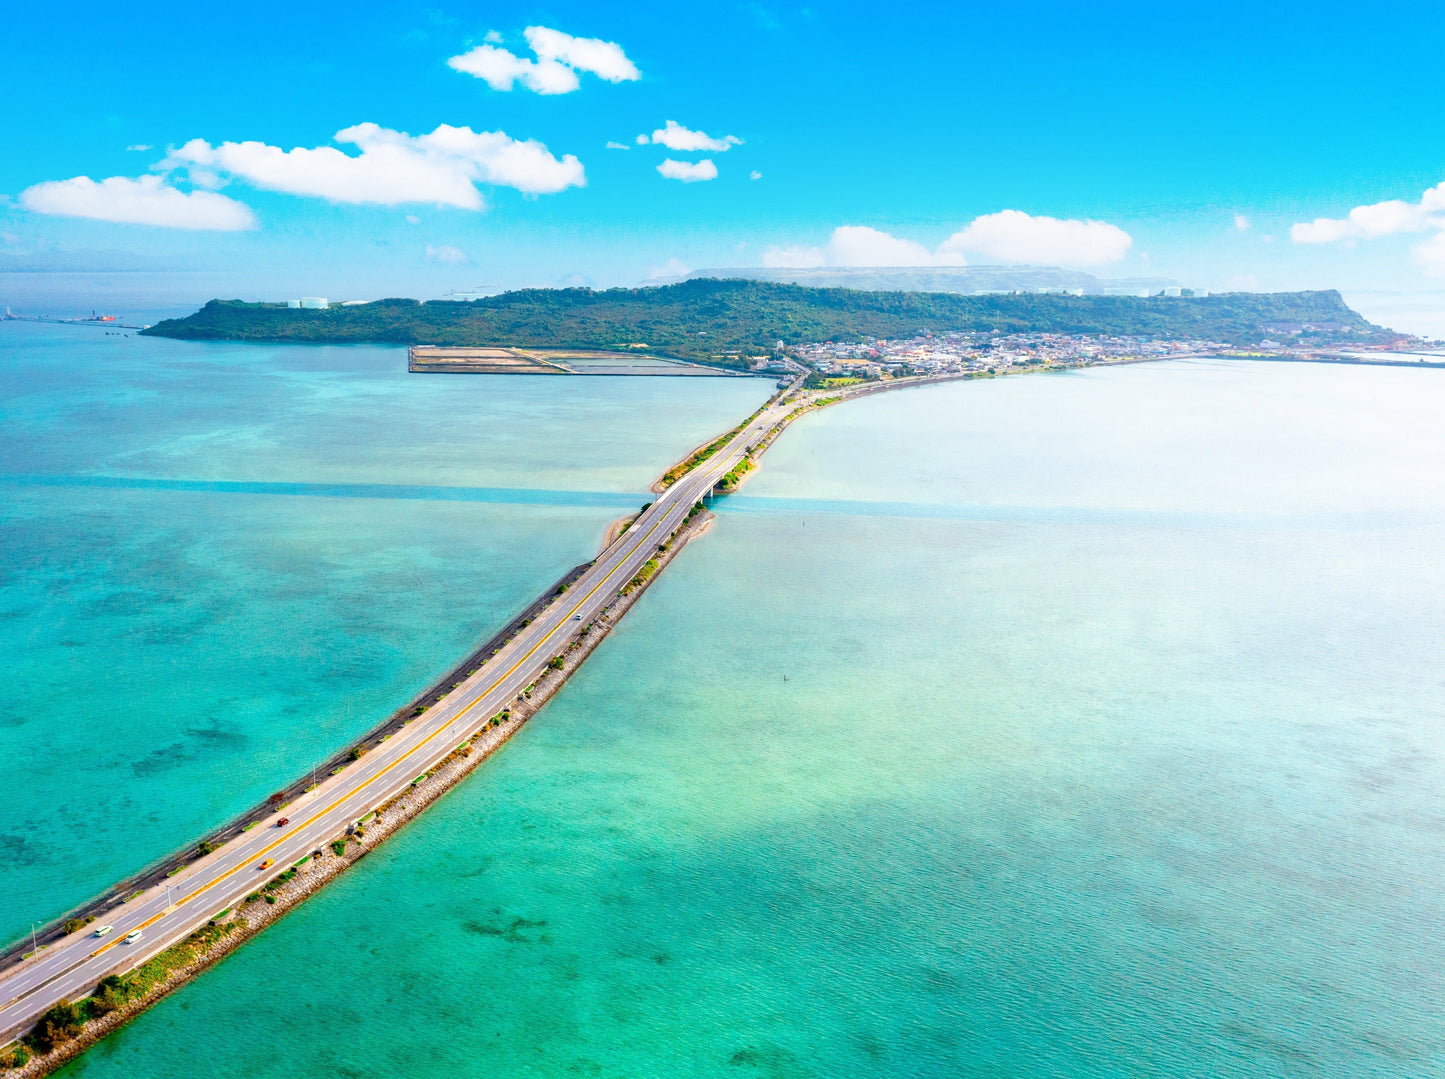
pixel 733 322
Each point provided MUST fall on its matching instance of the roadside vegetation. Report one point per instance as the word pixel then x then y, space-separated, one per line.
pixel 65 1019
pixel 681 469
pixel 732 479
pixel 643 575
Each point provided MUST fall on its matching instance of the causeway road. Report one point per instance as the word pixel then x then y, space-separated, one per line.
pixel 166 913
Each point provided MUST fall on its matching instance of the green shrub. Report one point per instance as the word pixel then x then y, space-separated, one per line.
pixel 270 899
pixel 95 1006
pixel 338 847
pixel 15 1058
pixel 555 663
pixel 205 847
pixel 57 1025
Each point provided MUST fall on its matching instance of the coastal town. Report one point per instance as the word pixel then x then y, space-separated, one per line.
pixel 838 362
pixel 960 352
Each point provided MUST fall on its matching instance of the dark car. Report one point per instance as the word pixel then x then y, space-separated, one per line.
pixel 283 822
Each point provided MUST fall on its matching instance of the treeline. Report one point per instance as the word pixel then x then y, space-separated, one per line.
pixel 710 319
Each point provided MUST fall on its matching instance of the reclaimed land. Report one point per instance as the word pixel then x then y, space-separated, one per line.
pixel 491 360
pixel 724 321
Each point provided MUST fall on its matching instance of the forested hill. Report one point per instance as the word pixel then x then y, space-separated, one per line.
pixel 707 319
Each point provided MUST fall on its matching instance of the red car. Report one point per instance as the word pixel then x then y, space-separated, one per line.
pixel 283 822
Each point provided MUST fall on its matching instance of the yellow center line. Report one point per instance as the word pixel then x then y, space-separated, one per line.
pixel 366 783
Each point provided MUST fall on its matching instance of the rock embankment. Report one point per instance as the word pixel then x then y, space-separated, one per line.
pixel 168 971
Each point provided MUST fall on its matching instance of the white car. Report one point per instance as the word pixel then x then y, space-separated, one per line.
pixel 102 930
pixel 133 936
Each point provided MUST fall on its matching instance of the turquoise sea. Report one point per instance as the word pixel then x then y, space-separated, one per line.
pixel 218 563
pixel 1061 725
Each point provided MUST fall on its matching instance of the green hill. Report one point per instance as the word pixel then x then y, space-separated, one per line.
pixel 708 319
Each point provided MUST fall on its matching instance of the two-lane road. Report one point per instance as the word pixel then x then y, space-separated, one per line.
pixel 165 914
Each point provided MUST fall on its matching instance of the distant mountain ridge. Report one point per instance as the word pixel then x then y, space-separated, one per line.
pixel 960 279
pixel 723 321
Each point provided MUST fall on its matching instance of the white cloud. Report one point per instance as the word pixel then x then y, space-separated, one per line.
pixel 446 253
pixel 605 59
pixel 687 172
pixel 755 175
pixel 674 269
pixel 611 145
pixel 146 200
pixel 1430 255
pixel 1009 236
pixel 412 219
pixel 393 167
pixel 794 257
pixel 858 245
pixel 1016 237
pixel 141 146
pixel 1378 219
pixel 559 58
pixel 676 137
pixel 494 37
pixel 1363 223
pixel 503 69
pixel 1241 222
pixel 1390 218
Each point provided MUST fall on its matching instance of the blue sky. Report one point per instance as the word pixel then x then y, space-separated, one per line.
pixel 1185 141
